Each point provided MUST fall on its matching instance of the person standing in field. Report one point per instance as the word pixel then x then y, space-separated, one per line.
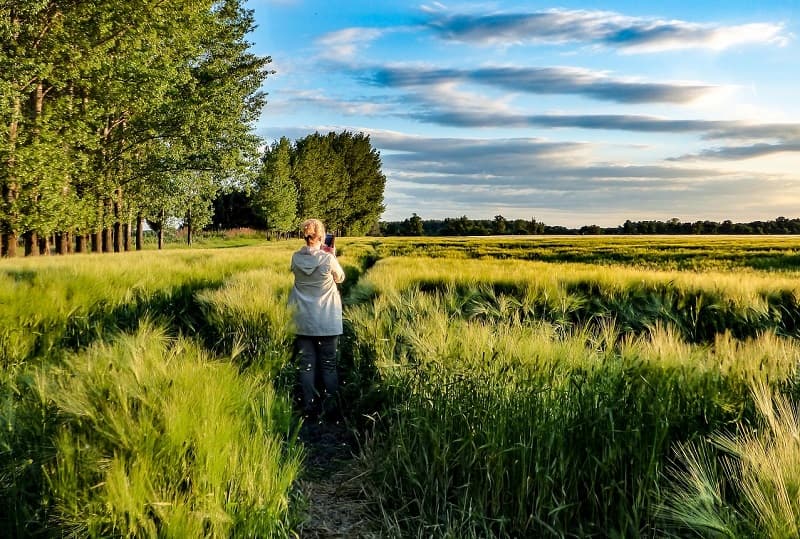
pixel 317 315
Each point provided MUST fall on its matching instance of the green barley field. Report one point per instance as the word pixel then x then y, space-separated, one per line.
pixel 498 387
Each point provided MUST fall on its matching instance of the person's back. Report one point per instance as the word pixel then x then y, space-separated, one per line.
pixel 314 294
pixel 317 315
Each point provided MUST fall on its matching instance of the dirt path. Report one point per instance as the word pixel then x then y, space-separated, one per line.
pixel 336 505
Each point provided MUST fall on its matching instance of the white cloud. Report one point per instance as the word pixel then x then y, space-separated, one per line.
pixel 342 45
pixel 609 29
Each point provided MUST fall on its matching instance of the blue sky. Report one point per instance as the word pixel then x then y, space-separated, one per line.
pixel 571 112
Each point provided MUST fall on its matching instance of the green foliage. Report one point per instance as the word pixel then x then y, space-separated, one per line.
pixel 117 111
pixel 275 197
pixel 364 190
pixel 322 180
pixel 335 177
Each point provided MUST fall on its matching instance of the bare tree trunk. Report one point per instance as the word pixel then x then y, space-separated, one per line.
pixel 139 231
pixel 61 243
pixel 161 217
pixel 97 233
pixel 9 247
pixel 10 187
pixel 80 243
pixel 31 244
pixel 117 209
pixel 189 227
pixel 126 236
pixel 107 239
pixel 108 234
pixel 44 245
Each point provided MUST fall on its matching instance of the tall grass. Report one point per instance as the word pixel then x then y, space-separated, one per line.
pixel 497 423
pixel 54 402
pixel 48 304
pixel 152 438
pixel 745 481
pixel 700 305
pixel 250 315
pixel 533 397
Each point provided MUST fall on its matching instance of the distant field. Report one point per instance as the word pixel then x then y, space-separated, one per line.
pixel 679 252
pixel 515 386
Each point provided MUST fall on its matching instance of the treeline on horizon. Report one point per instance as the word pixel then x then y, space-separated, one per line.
pixel 464 226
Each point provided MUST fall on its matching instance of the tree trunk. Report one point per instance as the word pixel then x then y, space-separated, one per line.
pixel 189 227
pixel 80 243
pixel 126 236
pixel 9 247
pixel 139 231
pixel 97 233
pixel 10 187
pixel 108 233
pixel 117 209
pixel 31 244
pixel 44 245
pixel 61 243
pixel 161 217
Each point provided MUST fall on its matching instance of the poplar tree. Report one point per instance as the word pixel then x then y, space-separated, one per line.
pixel 322 181
pixel 275 194
pixel 364 190
pixel 108 107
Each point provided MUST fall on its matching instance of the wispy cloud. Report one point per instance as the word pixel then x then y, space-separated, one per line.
pixel 443 104
pixel 343 44
pixel 628 34
pixel 527 161
pixel 734 153
pixel 542 80
pixel 305 99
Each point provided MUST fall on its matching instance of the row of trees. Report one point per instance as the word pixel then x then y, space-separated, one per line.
pixel 335 177
pixel 780 225
pixel 113 112
pixel 464 226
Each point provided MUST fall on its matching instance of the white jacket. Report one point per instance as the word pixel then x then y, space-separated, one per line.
pixel 314 296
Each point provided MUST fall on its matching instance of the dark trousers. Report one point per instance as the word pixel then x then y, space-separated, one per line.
pixel 316 358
